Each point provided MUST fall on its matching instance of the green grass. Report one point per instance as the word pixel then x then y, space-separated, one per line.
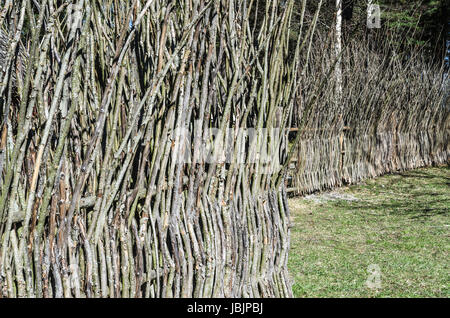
pixel 400 223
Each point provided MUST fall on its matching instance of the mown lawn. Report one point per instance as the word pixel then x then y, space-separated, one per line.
pixel 399 225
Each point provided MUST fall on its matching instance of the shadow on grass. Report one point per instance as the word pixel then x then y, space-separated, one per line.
pixel 399 222
pixel 425 174
pixel 411 206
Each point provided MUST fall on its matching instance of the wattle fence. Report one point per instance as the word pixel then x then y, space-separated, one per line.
pixel 349 158
pixel 393 116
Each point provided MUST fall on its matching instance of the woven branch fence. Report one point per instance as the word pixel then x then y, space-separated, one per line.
pixel 97 197
pixel 393 115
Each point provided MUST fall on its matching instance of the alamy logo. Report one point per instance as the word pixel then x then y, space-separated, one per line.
pixel 374 279
pixel 373 16
pixel 238 146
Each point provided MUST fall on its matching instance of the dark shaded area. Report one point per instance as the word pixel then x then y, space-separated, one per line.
pixel 414 200
pixel 423 23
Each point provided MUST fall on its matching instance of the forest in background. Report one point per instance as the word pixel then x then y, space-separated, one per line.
pixel 420 23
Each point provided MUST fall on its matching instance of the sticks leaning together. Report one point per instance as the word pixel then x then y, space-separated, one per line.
pixel 95 200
